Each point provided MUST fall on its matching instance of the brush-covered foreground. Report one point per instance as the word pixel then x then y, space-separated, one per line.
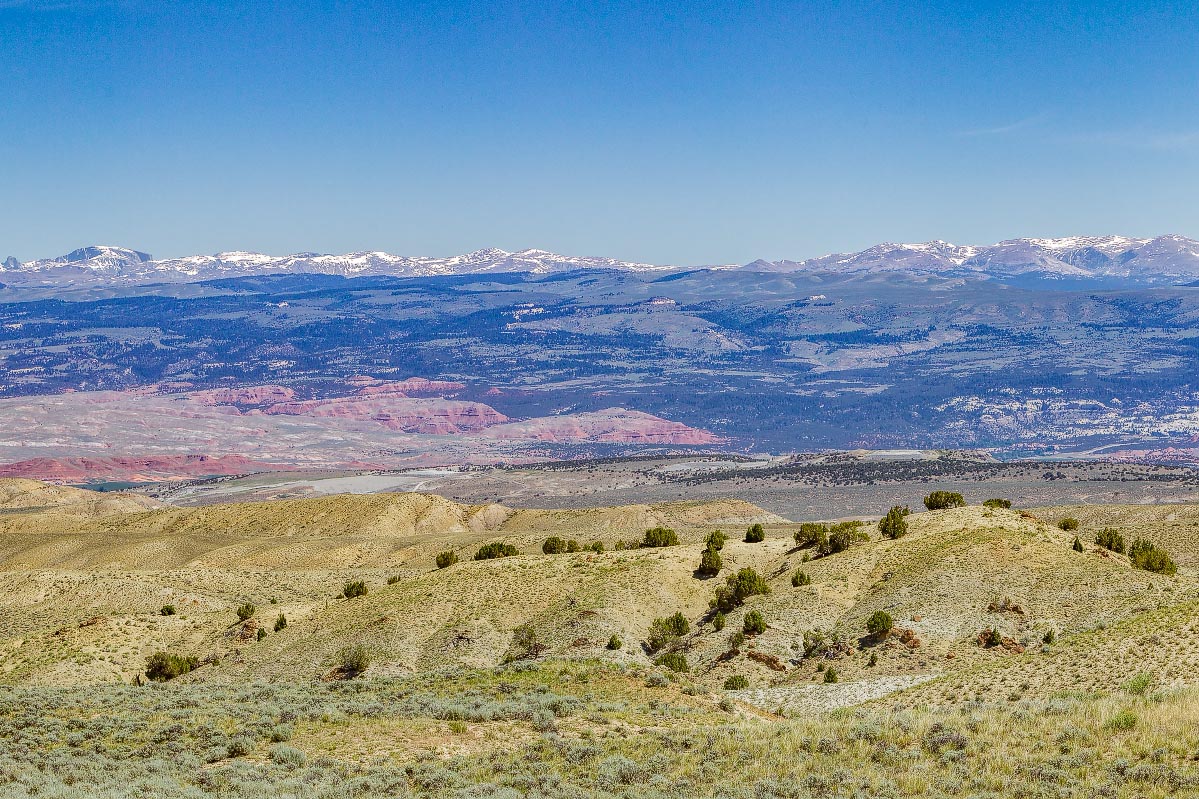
pixel 316 648
pixel 570 729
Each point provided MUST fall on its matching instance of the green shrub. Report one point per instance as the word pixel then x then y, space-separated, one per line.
pixel 840 537
pixel 1124 720
pixel 990 637
pixel 353 660
pixel 496 549
pixel 596 546
pixel 163 666
pixel 830 675
pixel 615 643
pixel 1077 545
pixel 666 631
pixel 716 540
pixel 526 645
pixel 1049 637
pixel 1069 524
pixel 280 623
pixel 553 546
pixel 737 639
pixel 393 579
pixel 810 533
pixel 754 624
pixel 1138 685
pixel 894 525
pixel 660 537
pixel 718 621
pixel 261 633
pixel 800 578
pixel 742 585
pixel 736 683
pixel 354 588
pixel 879 624
pixel 1110 539
pixel 244 612
pixel 756 534
pixel 167 610
pixel 572 545
pixel 710 563
pixel 673 661
pixel 1145 555
pixel 944 500
pixel 873 661
pixel 446 559
pixel 997 503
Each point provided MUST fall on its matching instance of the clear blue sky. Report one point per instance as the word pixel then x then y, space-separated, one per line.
pixel 690 132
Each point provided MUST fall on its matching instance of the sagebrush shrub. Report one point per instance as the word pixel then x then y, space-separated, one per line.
pixel 446 559
pixel 354 588
pixel 710 563
pixel 800 578
pixel 675 661
pixel 163 666
pixel 737 682
pixel 944 500
pixel 354 659
pixel 496 549
pixel 1069 524
pixel 244 612
pixel 754 623
pixel 280 623
pixel 167 610
pixel 1109 538
pixel 660 537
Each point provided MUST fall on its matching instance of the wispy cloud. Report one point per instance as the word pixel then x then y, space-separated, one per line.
pixel 999 130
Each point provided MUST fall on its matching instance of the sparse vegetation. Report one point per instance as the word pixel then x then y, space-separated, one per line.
pixel 1145 555
pixel 245 612
pixel 1068 524
pixel 675 661
pixel 554 545
pixel 754 623
pixel 737 682
pixel 167 610
pixel 710 563
pixel 660 537
pixel 998 503
pixel 353 589
pixel 879 624
pixel 944 500
pixel 1109 538
pixel 894 524
pixel 446 559
pixel 496 549
pixel 261 633
pixel 718 621
pixel 614 643
pixel 353 660
pixel 596 546
pixel 1077 545
pixel 800 578
pixel 526 644
pixel 830 675
pixel 756 534
pixel 716 540
pixel 666 631
pixel 741 586
pixel 163 666
pixel 280 622
pixel 393 579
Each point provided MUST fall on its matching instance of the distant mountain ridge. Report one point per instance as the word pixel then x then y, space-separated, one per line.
pixel 1168 259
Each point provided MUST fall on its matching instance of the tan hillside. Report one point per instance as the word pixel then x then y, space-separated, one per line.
pixel 1175 527
pixel 20 495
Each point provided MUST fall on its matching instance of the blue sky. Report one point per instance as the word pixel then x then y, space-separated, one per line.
pixel 699 132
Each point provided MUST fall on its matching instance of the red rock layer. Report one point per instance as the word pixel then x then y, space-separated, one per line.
pixel 247 395
pixel 167 467
pixel 429 416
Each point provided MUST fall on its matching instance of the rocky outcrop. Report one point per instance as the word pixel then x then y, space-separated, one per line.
pixel 613 425
pixel 427 416
pixel 413 386
pixel 130 469
pixel 247 395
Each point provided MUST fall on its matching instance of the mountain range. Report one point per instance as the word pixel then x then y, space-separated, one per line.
pixel 1169 260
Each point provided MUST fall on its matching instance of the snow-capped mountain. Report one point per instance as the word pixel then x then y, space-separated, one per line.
pixel 1165 259
pixel 1115 259
pixel 122 265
